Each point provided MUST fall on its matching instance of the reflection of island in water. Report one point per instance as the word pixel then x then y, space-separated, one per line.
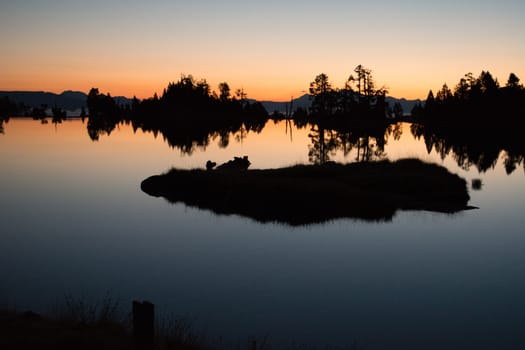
pixel 307 194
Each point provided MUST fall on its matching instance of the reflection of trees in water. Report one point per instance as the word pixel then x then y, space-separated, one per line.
pixel 97 127
pixel 104 114
pixel 480 147
pixel 189 115
pixel 476 124
pixel 367 141
pixel 188 138
pixel 2 120
pixel 58 115
pixel 512 160
pixel 324 143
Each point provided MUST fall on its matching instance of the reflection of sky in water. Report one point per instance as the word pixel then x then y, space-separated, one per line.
pixel 73 219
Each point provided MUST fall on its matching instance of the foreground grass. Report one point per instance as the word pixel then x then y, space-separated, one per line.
pixel 306 194
pixel 81 329
pixel 32 331
pixel 28 330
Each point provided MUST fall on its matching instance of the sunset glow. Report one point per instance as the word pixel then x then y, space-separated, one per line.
pixel 271 49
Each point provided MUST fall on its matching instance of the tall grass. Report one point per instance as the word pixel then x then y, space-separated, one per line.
pixel 107 311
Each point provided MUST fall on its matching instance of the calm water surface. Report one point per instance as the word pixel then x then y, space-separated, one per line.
pixel 73 220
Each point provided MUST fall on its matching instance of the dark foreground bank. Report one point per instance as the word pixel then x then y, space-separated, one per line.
pixel 31 331
pixel 306 194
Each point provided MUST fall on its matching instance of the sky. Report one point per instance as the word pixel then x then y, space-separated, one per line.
pixel 272 49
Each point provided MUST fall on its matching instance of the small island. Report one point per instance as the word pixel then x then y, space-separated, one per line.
pixel 309 194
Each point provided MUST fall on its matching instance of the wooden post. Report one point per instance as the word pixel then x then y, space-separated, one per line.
pixel 143 322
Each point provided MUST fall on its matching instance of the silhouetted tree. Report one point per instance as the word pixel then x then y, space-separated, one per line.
pixel 514 82
pixel 8 108
pixel 224 91
pixel 488 83
pixel 360 79
pixel 444 95
pixel 359 99
pixel 104 114
pixel 321 92
pixel 241 95
pixel 430 99
pixel 463 89
pixel 100 105
pixel 477 101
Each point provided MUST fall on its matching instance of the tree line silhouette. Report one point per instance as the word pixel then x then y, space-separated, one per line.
pixel 475 100
pixel 353 117
pixel 478 121
pixel 9 108
pixel 358 99
pixel 187 114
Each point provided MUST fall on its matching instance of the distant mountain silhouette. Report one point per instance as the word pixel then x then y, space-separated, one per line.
pixel 70 101
pixel 406 104
pixel 123 101
pixel 305 102
pixel 300 102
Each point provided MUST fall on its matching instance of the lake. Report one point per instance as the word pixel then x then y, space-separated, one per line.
pixel 74 221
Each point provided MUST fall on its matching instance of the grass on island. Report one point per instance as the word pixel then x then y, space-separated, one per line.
pixel 306 194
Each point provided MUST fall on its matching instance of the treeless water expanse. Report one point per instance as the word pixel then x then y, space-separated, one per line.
pixel 73 221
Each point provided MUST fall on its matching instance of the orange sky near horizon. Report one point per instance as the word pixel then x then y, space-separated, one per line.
pixel 272 50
